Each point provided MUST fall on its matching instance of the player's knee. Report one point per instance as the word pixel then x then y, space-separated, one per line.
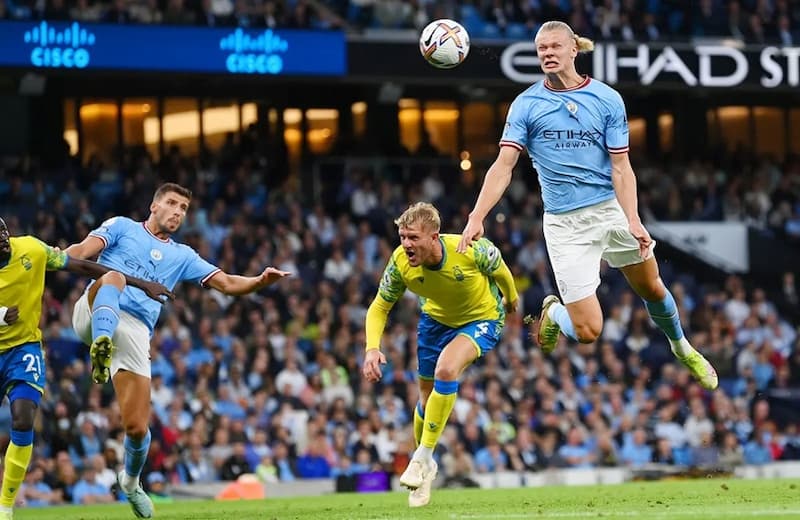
pixel 136 430
pixel 446 373
pixel 23 415
pixel 589 332
pixel 113 278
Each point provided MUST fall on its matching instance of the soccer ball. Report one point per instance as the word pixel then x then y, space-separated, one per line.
pixel 444 43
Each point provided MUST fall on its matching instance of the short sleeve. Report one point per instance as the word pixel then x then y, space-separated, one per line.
pixel 487 256
pixel 110 230
pixel 617 126
pixel 55 260
pixel 515 131
pixel 392 285
pixel 198 269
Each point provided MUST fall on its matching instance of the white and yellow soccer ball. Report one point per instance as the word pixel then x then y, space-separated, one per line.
pixel 444 43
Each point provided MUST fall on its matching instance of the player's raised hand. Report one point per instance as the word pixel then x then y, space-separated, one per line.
pixel 272 275
pixel 12 315
pixel 510 307
pixel 472 232
pixel 641 235
pixel 373 360
pixel 157 292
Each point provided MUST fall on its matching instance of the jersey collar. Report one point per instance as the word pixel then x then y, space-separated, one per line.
pixel 442 261
pixel 165 240
pixel 585 82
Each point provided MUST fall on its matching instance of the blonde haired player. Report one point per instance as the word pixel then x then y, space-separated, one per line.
pixel 464 299
pixel 576 132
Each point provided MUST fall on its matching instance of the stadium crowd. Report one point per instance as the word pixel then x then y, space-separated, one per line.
pixel 270 384
pixel 752 21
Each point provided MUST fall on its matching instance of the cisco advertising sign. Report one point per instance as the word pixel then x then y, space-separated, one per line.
pixel 73 45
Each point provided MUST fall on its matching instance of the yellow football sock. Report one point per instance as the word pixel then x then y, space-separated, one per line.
pixel 437 410
pixel 419 421
pixel 15 466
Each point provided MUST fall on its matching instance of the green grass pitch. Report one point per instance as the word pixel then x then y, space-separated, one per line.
pixel 700 499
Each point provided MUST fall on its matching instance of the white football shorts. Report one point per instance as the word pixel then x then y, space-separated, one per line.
pixel 131 339
pixel 577 240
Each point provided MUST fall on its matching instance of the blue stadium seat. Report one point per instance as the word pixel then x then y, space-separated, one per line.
pixel 517 31
pixel 683 456
pixel 490 30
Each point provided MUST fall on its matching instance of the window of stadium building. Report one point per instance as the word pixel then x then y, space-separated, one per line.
pixel 441 125
pixel 359 111
pixel 666 127
pixel 322 127
pixel 409 116
pixel 760 129
pixel 224 120
pixel 180 124
pixel 99 129
pixel 733 126
pixel 637 131
pixel 480 124
pixel 71 126
pixel 794 130
pixel 135 113
pixel 770 131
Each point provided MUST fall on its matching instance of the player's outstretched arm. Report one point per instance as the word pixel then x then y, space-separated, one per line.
pixel 154 290
pixel 58 260
pixel 237 285
pixel 377 315
pixel 494 185
pixel 624 181
pixel 90 247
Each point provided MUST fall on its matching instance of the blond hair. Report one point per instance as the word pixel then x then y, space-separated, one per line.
pixel 423 213
pixel 584 44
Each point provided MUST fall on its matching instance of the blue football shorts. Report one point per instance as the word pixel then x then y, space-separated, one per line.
pixel 23 364
pixel 433 337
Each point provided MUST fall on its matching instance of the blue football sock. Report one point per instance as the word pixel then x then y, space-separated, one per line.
pixel 558 313
pixel 665 315
pixel 136 454
pixel 105 311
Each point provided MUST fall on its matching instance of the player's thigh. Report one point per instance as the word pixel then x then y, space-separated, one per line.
pixel 575 250
pixel 132 342
pixel 471 342
pixel 432 338
pixel 620 248
pixel 82 319
pixel 23 372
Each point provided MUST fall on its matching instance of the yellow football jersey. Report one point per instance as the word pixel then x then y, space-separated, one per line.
pixel 463 288
pixel 22 284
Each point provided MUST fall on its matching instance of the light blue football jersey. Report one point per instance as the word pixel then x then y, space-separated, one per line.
pixel 569 135
pixel 132 249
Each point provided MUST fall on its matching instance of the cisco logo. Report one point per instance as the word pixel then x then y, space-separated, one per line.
pixel 254 55
pixel 59 49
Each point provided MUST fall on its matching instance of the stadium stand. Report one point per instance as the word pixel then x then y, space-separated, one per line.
pixel 270 384
pixel 770 21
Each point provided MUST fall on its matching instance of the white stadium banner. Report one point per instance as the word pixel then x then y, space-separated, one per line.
pixel 721 244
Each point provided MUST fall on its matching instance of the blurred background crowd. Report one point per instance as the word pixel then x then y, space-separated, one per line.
pixel 751 21
pixel 270 384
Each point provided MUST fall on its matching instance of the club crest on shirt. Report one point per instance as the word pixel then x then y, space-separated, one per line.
pixel 26 262
pixel 458 274
pixel 572 107
pixel 156 255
